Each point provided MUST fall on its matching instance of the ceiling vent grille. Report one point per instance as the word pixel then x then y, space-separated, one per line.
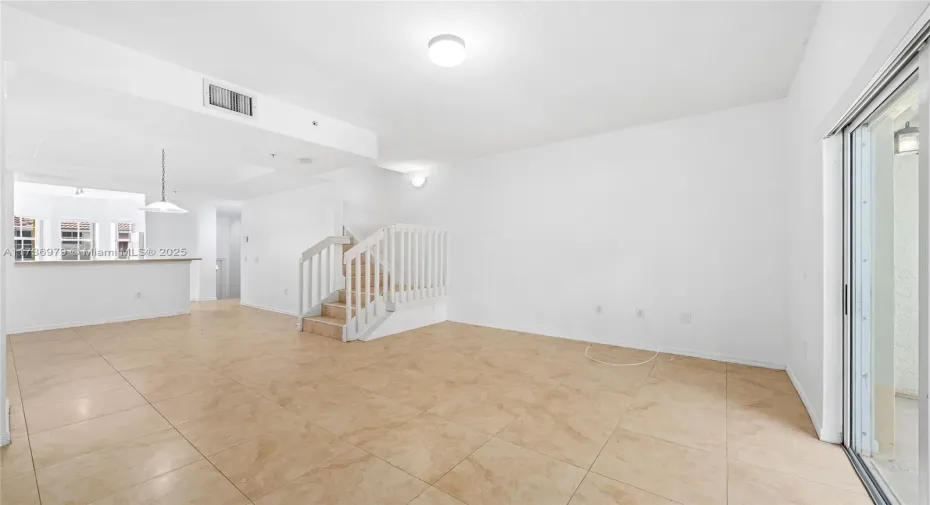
pixel 227 99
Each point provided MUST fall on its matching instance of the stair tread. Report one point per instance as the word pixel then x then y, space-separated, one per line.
pixel 329 320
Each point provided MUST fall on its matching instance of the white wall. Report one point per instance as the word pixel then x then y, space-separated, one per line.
pixel 193 233
pixel 850 42
pixel 906 306
pixel 275 230
pixel 683 219
pixel 371 197
pixel 411 318
pixel 94 293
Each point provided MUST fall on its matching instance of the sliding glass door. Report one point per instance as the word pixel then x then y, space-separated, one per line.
pixel 883 269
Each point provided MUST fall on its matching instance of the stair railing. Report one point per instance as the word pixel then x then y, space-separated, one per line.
pixel 364 277
pixel 420 259
pixel 398 264
pixel 323 270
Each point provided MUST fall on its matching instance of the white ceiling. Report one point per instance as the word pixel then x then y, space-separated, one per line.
pixel 535 73
pixel 65 133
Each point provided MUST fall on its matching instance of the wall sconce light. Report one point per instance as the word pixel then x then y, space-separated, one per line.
pixel 418 181
pixel 906 140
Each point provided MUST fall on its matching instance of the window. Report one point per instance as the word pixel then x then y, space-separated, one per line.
pixel 77 240
pixel 124 233
pixel 24 238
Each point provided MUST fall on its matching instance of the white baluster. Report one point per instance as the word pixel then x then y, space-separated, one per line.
pixel 300 293
pixel 367 282
pixel 393 252
pixel 377 281
pixel 404 264
pixel 428 264
pixel 319 276
pixel 445 259
pixel 357 273
pixel 348 285
pixel 326 271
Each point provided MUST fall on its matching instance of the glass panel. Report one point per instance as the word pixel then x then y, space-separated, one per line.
pixel 69 250
pixel 885 295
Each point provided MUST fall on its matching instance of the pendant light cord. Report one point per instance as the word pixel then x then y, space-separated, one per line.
pixel 163 175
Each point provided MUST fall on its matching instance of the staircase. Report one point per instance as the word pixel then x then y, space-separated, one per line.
pixel 348 287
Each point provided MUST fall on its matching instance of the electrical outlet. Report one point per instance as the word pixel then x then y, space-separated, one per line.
pixel 138 295
pixel 640 313
pixel 685 318
pixel 285 291
pixel 598 310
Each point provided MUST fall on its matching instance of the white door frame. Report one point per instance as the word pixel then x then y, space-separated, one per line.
pixel 858 422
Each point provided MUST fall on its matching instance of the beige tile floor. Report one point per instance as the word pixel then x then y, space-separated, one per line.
pixel 231 405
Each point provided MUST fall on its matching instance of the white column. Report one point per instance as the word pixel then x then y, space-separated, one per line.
pixel 6 262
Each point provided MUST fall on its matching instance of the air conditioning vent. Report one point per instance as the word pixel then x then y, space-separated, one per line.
pixel 227 99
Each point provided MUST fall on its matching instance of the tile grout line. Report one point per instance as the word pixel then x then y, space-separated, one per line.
pixel 428 485
pixel 607 441
pixel 35 473
pixel 173 427
pixel 336 436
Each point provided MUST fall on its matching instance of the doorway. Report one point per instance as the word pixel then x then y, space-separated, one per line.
pixel 222 279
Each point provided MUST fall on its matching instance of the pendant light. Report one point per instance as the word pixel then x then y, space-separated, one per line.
pixel 907 139
pixel 164 206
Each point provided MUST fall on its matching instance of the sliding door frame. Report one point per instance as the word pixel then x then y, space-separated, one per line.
pixel 856 318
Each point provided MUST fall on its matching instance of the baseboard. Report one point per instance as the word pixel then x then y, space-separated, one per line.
pixel 726 358
pixel 813 414
pixel 269 309
pixel 722 357
pixel 212 299
pixel 78 324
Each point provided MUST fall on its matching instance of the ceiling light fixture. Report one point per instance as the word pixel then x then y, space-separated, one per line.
pixel 907 139
pixel 164 206
pixel 418 181
pixel 78 191
pixel 447 50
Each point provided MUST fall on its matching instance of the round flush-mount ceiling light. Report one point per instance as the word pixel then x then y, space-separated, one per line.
pixel 447 50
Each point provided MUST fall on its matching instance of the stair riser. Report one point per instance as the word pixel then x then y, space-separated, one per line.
pixel 336 311
pixel 326 330
pixel 363 288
